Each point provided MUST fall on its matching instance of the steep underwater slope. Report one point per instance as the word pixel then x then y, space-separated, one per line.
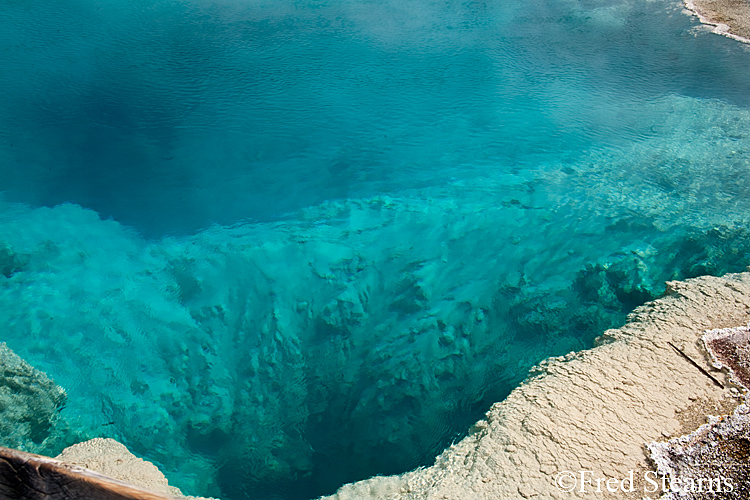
pixel 30 403
pixel 370 329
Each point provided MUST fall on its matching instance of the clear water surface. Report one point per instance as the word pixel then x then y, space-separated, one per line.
pixel 276 246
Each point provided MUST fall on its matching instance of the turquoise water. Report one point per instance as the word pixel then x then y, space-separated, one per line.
pixel 278 246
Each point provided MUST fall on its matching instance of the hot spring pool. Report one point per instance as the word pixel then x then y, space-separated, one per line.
pixel 277 246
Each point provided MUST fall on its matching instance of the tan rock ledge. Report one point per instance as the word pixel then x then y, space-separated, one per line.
pixel 728 17
pixel 591 411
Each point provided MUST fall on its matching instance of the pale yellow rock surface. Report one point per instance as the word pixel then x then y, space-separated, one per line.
pixel 592 410
pixel 108 457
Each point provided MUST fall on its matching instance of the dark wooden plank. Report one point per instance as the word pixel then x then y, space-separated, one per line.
pixel 25 476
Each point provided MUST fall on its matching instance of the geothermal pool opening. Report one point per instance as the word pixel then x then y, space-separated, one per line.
pixel 275 247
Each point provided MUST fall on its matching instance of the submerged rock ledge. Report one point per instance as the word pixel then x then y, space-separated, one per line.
pixel 593 410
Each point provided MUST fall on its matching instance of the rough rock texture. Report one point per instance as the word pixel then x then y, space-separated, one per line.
pixel 591 410
pixel 113 459
pixel 713 461
pixel 728 17
pixel 29 403
pixel 730 348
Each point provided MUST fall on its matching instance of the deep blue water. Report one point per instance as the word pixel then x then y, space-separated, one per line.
pixel 277 246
